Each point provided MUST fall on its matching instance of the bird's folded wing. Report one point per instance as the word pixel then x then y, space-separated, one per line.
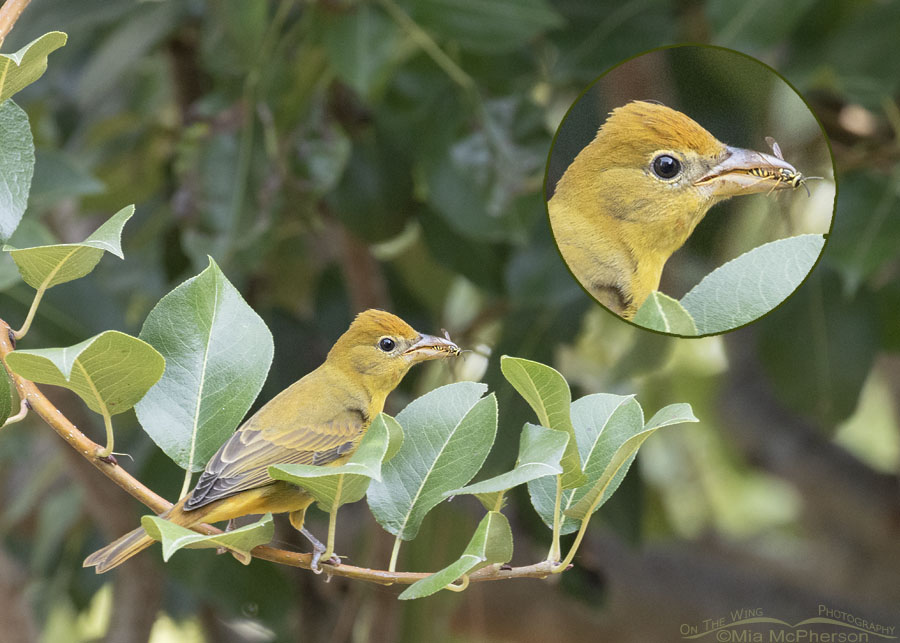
pixel 242 463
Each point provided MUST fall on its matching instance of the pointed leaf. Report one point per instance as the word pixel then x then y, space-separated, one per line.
pixel 491 544
pixel 333 486
pixel 547 392
pixel 239 541
pixel 48 266
pixel 110 371
pixel 623 452
pixel 218 350
pixel 540 451
pixel 753 284
pixel 22 68
pixel 448 433
pixel 661 312
pixel 16 166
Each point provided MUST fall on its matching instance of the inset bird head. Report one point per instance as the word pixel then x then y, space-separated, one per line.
pixel 634 195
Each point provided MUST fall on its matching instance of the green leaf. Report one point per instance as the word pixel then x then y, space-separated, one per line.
pixel 48 266
pixel 661 312
pixel 7 391
pixel 492 543
pixel 22 68
pixel 110 371
pixel 218 350
pixel 616 447
pixel 334 486
pixel 363 45
pixel 540 452
pixel 448 433
pixel 239 541
pixel 30 232
pixel 488 27
pixel 593 416
pixel 753 284
pixel 547 392
pixel 16 166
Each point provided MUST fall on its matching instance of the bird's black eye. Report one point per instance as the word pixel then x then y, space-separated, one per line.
pixel 666 166
pixel 386 344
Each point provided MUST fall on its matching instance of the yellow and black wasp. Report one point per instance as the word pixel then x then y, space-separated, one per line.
pixel 782 175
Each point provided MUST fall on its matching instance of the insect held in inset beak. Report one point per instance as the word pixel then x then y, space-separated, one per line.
pixel 792 178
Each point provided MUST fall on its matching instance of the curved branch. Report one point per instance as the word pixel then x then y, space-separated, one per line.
pixel 9 13
pixel 89 449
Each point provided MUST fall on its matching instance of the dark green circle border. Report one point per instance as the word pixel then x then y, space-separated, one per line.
pixel 834 170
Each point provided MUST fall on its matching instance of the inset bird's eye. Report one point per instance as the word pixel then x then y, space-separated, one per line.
pixel 665 166
pixel 386 344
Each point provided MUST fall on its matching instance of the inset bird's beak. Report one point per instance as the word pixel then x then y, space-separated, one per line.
pixel 745 172
pixel 430 347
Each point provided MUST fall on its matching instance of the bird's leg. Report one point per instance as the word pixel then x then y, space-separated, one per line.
pixel 296 518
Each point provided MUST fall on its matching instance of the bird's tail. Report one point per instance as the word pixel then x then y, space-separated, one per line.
pixel 118 551
pixel 137 540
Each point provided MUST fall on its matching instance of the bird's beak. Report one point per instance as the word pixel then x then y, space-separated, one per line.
pixel 430 347
pixel 734 175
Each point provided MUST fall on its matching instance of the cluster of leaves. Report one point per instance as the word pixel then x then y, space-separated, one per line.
pixel 218 353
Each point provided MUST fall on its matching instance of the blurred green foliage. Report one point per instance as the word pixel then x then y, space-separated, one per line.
pixel 333 155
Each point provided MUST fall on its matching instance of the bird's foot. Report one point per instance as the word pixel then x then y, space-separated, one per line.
pixel 318 550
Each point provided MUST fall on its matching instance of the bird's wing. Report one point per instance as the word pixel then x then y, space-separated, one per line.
pixel 242 462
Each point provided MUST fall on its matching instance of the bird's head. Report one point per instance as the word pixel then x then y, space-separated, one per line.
pixel 634 195
pixel 381 348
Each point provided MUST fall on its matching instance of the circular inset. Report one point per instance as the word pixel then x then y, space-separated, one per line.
pixel 640 180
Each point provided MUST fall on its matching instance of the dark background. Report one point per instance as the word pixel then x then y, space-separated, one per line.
pixel 328 163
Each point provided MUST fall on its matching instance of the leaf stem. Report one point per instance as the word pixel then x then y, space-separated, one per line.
pixel 394 554
pixel 463 584
pixel 107 450
pixel 574 548
pixel 555 551
pixel 18 417
pixel 19 334
pixel 186 485
pixel 332 519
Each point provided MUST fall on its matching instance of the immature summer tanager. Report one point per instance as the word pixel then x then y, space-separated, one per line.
pixel 634 195
pixel 318 420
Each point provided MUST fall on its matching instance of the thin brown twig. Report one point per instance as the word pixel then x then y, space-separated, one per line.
pixel 54 418
pixel 9 13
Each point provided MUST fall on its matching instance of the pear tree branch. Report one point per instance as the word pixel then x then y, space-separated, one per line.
pixel 32 396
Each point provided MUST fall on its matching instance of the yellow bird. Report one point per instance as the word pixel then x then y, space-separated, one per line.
pixel 634 195
pixel 318 420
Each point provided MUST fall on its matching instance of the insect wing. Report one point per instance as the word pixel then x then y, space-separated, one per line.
pixel 776 148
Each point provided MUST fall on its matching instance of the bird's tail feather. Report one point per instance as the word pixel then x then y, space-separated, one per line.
pixel 118 551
